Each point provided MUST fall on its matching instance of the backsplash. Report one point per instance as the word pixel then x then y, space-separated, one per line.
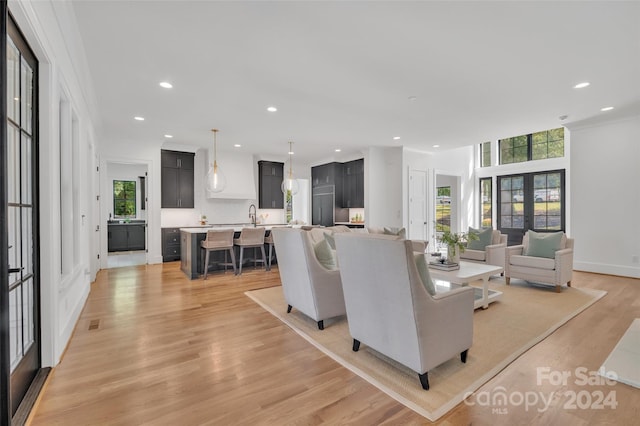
pixel 219 211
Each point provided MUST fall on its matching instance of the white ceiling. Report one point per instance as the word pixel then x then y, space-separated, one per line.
pixel 341 73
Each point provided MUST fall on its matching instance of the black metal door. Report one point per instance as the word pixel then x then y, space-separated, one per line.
pixel 20 210
pixel 533 201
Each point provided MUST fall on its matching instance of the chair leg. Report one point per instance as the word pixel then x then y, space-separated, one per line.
pixel 289 309
pixel 568 283
pixel 356 345
pixel 233 260
pixel 206 263
pixel 321 325
pixel 507 280
pixel 241 259
pixel 264 258
pixel 463 356
pixel 424 380
pixel 558 289
pixel 270 253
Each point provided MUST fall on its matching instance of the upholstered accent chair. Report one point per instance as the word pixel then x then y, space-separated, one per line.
pixel 308 286
pixel 527 262
pixel 493 254
pixel 390 310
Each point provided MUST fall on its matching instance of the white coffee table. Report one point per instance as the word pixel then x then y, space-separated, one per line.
pixel 469 272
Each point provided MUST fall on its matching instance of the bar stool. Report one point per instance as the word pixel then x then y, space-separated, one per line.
pixel 269 240
pixel 250 238
pixel 218 239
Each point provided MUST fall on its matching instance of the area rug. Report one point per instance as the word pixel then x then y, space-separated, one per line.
pixel 623 363
pixel 504 331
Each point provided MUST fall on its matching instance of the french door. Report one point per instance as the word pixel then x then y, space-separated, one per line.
pixel 533 201
pixel 19 217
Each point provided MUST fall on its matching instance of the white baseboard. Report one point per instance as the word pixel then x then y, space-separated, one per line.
pixel 151 260
pixel 607 268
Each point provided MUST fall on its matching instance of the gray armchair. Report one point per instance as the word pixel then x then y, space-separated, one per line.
pixel 389 309
pixel 493 254
pixel 308 286
pixel 554 271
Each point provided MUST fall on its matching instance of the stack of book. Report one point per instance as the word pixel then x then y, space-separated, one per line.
pixel 446 266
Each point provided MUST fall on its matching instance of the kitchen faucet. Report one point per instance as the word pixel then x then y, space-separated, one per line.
pixel 252 216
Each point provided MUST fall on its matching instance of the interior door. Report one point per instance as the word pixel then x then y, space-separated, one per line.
pixel 418 205
pixel 533 201
pixel 21 164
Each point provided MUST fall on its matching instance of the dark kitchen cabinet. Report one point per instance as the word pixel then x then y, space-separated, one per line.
pixel 177 179
pixel 327 174
pixel 353 184
pixel 270 175
pixel 170 244
pixel 126 237
pixel 322 212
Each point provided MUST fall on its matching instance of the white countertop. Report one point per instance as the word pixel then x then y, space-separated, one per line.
pixel 204 228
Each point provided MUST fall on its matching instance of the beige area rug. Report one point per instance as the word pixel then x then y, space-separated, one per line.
pixel 508 328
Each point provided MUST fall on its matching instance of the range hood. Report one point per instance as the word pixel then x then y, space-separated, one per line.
pixel 238 168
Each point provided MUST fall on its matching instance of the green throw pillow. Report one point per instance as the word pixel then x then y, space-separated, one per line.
pixel 325 255
pixel 544 244
pixel 484 238
pixel 330 239
pixel 402 233
pixel 423 271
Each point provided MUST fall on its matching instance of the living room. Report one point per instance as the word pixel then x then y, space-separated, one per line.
pixel 427 73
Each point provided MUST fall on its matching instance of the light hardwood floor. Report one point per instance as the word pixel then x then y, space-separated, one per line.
pixel 152 347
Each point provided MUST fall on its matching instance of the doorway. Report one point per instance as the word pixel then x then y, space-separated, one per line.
pixel 19 218
pixel 533 201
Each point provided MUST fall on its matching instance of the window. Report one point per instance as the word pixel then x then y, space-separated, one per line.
pixel 443 209
pixel 124 198
pixel 485 154
pixel 534 146
pixel 485 203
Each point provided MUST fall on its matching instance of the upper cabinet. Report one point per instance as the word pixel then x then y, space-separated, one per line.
pixel 177 179
pixel 327 174
pixel 270 175
pixel 353 184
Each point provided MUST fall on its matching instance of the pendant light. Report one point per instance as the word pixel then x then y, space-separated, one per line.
pixel 290 184
pixel 216 181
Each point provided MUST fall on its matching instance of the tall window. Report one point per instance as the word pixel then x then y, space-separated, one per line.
pixel 534 146
pixel 124 198
pixel 485 203
pixel 485 154
pixel 443 209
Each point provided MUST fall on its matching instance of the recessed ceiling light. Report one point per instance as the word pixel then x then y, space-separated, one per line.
pixel 16 99
pixel 272 109
pixel 338 150
pixel 237 145
pixel 436 146
pixel 581 85
pixel 139 118
pixel 412 98
pixel 606 109
pixel 166 85
pixel 290 152
pixel 168 136
pixel 395 138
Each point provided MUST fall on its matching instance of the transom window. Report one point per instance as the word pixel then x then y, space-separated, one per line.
pixel 124 198
pixel 534 146
pixel 485 154
pixel 485 203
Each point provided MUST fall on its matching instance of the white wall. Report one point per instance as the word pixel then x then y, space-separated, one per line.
pixel 132 172
pixel 50 30
pixel 383 182
pixel 605 197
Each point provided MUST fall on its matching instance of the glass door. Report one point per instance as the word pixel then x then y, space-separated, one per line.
pixel 22 215
pixel 531 201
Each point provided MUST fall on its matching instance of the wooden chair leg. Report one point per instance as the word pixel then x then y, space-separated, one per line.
pixel 424 380
pixel 270 254
pixel 568 283
pixel 264 258
pixel 558 289
pixel 233 260
pixel 507 280
pixel 463 356
pixel 241 259
pixel 356 345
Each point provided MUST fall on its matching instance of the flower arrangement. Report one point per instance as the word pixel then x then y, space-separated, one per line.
pixel 456 242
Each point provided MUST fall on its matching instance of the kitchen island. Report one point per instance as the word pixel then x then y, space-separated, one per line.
pixel 191 255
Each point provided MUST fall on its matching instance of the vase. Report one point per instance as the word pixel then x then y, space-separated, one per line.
pixel 453 254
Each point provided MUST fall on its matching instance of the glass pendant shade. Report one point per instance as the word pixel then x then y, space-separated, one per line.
pixel 290 185
pixel 215 179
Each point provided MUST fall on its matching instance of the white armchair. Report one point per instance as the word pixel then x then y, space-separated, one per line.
pixel 493 254
pixel 308 286
pixel 389 309
pixel 554 271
